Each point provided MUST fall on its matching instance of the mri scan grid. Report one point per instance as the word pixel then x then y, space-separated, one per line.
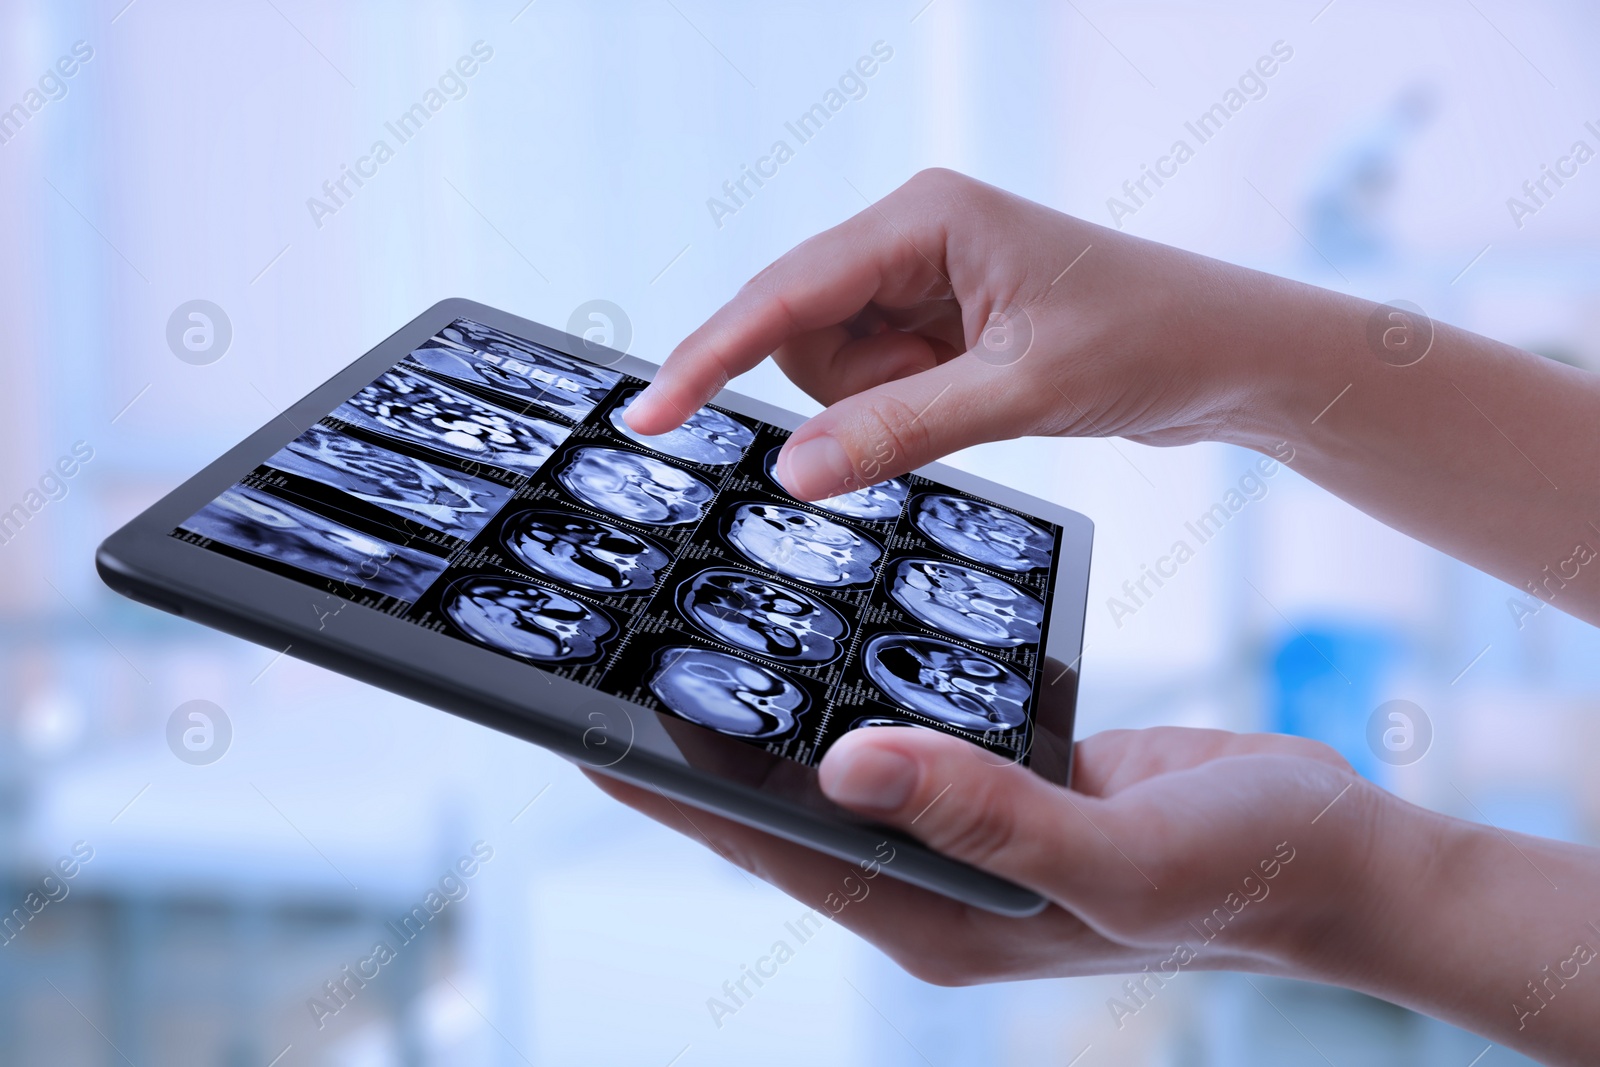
pixel 527 518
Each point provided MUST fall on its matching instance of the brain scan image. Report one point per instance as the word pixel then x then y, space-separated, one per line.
pixel 875 502
pixel 584 552
pixel 948 683
pixel 635 487
pixel 451 503
pixel 762 616
pixel 726 693
pixel 707 436
pixel 525 620
pixel 982 532
pixel 258 522
pixel 802 546
pixel 466 352
pixel 411 407
pixel 966 603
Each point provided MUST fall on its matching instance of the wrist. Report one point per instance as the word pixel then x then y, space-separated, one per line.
pixel 1285 353
pixel 1383 870
pixel 1407 926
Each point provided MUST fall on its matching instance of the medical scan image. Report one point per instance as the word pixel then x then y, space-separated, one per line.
pixel 635 487
pixel 875 502
pixel 456 504
pixel 562 384
pixel 584 552
pixel 411 407
pixel 258 522
pixel 948 683
pixel 526 620
pixel 982 532
pixel 762 616
pixel 966 603
pixel 726 693
pixel 803 546
pixel 868 722
pixel 707 436
pixel 672 570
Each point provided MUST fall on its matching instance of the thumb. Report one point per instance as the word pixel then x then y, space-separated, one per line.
pixel 961 801
pixel 901 425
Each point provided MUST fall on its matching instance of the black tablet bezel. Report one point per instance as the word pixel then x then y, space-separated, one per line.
pixel 144 562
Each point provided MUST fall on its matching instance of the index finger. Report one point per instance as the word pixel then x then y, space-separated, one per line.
pixel 823 281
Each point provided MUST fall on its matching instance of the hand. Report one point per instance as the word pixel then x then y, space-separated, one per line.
pixel 946 315
pixel 1225 843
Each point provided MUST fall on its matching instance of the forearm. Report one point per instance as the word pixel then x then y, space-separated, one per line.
pixel 1484 451
pixel 1497 932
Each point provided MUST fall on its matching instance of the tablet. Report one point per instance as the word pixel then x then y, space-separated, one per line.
pixel 462 517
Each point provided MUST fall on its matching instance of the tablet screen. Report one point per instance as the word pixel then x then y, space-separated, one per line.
pixel 485 487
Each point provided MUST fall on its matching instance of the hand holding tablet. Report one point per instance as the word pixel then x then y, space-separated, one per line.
pixel 473 489
pixel 950 314
pixel 834 646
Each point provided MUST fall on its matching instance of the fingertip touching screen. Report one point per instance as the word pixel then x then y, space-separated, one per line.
pixel 486 488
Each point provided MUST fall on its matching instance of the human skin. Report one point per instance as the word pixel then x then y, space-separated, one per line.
pixel 1477 448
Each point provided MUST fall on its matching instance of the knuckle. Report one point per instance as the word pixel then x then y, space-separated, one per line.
pixel 890 433
pixel 940 179
pixel 1318 750
pixel 977 831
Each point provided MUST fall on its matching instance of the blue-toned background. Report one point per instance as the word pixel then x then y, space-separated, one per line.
pixel 176 164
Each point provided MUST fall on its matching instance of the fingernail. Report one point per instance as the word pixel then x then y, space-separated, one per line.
pixel 874 779
pixel 816 468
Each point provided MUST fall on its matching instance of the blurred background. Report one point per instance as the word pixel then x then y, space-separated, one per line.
pixel 229 889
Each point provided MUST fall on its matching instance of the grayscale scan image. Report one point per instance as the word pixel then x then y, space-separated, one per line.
pixel 875 503
pixel 635 487
pixel 803 546
pixel 966 603
pixel 449 502
pixel 411 407
pixel 584 552
pixel 982 532
pixel 652 563
pixel 526 620
pixel 258 522
pixel 762 616
pixel 948 683
pixel 707 436
pixel 727 693
pixel 469 352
